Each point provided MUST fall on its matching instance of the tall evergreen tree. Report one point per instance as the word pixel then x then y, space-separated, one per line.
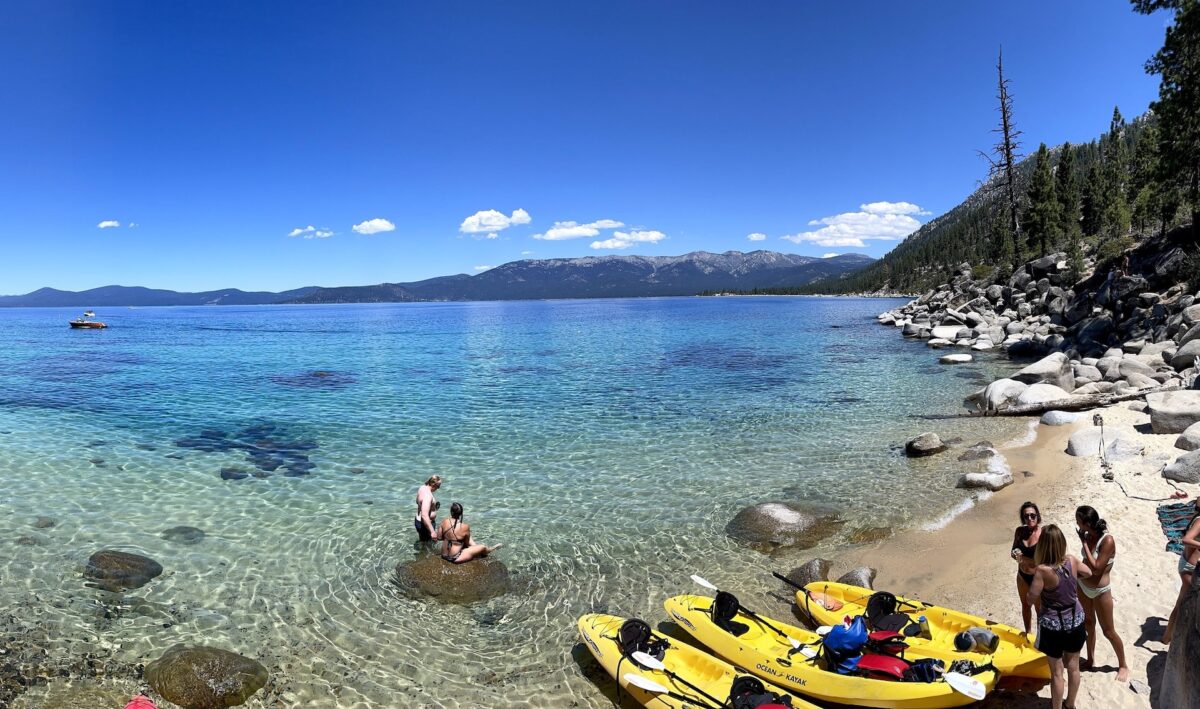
pixel 1115 214
pixel 1041 218
pixel 1066 189
pixel 1092 202
pixel 1178 104
pixel 1143 179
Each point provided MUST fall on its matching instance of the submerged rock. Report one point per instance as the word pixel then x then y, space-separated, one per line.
pixel 783 524
pixel 184 535
pixel 980 451
pixel 44 522
pixel 202 677
pixel 431 575
pixel 927 443
pixel 117 571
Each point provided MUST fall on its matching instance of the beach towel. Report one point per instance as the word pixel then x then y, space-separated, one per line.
pixel 1174 519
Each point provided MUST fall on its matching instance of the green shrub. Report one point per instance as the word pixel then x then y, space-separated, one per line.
pixel 1111 249
pixel 983 271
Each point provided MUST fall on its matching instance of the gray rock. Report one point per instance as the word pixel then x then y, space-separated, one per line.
pixel 946 332
pixel 986 481
pixel 1180 685
pixel 447 582
pixel 768 525
pixel 1185 469
pixel 1193 333
pixel 863 577
pixel 1173 411
pixel 1140 381
pixel 927 443
pixel 1189 440
pixel 118 571
pixel 1091 373
pixel 1040 394
pixel 44 522
pixel 955 359
pixel 1053 369
pixel 998 395
pixel 202 677
pixel 1059 418
pixel 980 451
pixel 1094 388
pixel 1086 442
pixel 1191 315
pixel 810 571
pixel 937 342
pixel 1186 355
pixel 184 535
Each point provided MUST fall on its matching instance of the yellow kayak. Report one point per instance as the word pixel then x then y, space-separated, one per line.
pixel 766 654
pixel 684 666
pixel 828 603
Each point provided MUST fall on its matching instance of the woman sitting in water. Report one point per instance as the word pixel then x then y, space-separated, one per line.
pixel 456 539
pixel 1061 631
pixel 427 507
pixel 1099 553
pixel 1187 568
pixel 1025 538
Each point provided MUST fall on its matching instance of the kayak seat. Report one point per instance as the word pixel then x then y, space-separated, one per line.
pixel 886 642
pixel 884 667
pixel 724 609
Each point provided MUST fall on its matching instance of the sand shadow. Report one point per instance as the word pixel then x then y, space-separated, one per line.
pixel 1152 629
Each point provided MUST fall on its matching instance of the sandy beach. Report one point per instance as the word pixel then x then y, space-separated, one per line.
pixel 965 564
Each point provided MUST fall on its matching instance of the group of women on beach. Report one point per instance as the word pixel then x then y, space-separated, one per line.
pixel 1071 593
pixel 455 535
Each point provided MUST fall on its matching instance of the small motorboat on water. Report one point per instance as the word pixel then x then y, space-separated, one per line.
pixel 89 314
pixel 84 323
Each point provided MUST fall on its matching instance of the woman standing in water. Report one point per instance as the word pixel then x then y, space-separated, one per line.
pixel 1061 631
pixel 1025 538
pixel 1099 553
pixel 427 506
pixel 1187 569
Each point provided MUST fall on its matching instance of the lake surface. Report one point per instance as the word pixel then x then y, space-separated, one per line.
pixel 606 443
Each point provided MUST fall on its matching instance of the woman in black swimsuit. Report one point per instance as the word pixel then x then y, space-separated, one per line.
pixel 455 534
pixel 1025 538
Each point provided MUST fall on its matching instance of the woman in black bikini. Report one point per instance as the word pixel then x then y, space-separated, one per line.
pixel 457 547
pixel 1025 539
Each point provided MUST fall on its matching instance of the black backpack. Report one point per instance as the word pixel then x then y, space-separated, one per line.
pixel 635 636
pixel 748 692
pixel 724 609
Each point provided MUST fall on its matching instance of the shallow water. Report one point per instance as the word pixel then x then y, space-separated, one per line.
pixel 607 443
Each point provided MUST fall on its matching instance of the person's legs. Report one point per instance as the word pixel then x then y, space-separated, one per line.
pixel 1056 680
pixel 1026 607
pixel 1187 583
pixel 1071 660
pixel 475 551
pixel 1089 619
pixel 1104 612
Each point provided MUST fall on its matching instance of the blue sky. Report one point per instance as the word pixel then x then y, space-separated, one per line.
pixel 457 136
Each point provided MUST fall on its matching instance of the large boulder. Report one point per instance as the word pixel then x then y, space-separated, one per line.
pixel 996 396
pixel 947 332
pixel 1185 469
pixel 1086 442
pixel 1040 394
pixel 1193 333
pixel 986 481
pixel 927 443
pixel 476 580
pixel 1059 418
pixel 769 525
pixel 1053 369
pixel 810 572
pixel 863 577
pixel 1180 681
pixel 1185 356
pixel 1189 440
pixel 1173 411
pixel 118 571
pixel 202 677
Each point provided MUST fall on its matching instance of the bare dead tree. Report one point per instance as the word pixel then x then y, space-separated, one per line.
pixel 1003 159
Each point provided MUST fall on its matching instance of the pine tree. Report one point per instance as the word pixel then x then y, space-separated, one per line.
pixel 1066 188
pixel 1115 215
pixel 1092 202
pixel 1041 218
pixel 1178 104
pixel 1143 179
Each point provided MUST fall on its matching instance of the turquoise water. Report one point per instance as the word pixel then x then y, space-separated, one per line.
pixel 606 443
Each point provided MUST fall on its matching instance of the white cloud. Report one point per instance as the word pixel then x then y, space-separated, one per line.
pixel 623 240
pixel 489 220
pixel 526 253
pixel 493 235
pixel 374 226
pixel 132 225
pixel 108 224
pixel 574 230
pixel 757 236
pixel 881 221
pixel 831 254
pixel 311 232
pixel 484 268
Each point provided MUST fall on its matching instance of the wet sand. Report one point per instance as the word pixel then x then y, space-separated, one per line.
pixel 966 564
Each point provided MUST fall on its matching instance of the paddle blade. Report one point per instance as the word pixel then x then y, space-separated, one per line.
pixel 967 686
pixel 808 651
pixel 649 661
pixel 702 582
pixel 647 684
pixel 824 630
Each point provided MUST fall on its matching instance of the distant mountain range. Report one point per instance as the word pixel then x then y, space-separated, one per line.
pixel 588 277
